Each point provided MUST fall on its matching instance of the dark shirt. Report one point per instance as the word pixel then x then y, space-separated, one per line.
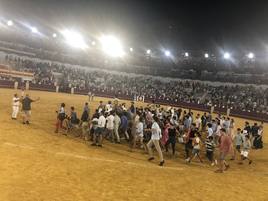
pixel 84 116
pixel 26 103
pixel 172 132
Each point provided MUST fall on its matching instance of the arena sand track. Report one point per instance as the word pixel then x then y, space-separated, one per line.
pixel 38 165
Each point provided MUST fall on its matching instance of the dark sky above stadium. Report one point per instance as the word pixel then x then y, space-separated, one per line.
pixel 191 25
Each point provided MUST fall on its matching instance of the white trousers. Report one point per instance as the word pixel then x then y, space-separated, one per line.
pixel 15 111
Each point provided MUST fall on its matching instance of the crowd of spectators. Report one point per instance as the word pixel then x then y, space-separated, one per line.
pixel 248 98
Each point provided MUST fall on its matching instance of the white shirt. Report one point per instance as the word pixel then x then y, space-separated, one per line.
pixel 139 129
pixel 210 132
pixel 110 122
pixel 15 101
pixel 197 143
pixel 198 122
pixel 101 122
pixel 156 131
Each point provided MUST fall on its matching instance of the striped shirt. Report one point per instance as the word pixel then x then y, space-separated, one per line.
pixel 210 145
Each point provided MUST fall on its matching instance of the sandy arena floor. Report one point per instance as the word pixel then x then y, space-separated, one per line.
pixel 38 165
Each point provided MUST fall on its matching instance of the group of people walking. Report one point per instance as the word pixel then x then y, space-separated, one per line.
pixel 155 127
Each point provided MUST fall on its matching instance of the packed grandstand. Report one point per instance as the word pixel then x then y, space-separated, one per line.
pixel 184 80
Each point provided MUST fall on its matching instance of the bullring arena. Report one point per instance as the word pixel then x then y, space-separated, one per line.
pixel 38 164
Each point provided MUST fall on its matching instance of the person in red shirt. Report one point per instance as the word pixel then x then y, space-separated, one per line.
pixel 224 148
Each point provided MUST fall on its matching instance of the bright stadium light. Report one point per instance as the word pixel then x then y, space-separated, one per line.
pixel 226 55
pixel 54 35
pixel 93 43
pixel 186 54
pixel 34 30
pixel 251 55
pixel 131 49
pixel 10 23
pixel 112 46
pixel 74 39
pixel 167 53
pixel 206 55
pixel 148 51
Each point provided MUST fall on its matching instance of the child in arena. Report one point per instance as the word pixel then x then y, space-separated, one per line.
pixel 61 115
pixel 210 147
pixel 172 132
pixel 245 151
pixel 196 147
pixel 139 133
pixel 238 141
pixel 110 126
pixel 98 135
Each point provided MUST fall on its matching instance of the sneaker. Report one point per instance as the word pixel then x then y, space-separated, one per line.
pixel 151 158
pixel 161 163
pixel 99 145
pixel 27 122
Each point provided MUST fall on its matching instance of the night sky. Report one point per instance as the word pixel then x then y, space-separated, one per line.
pixel 188 25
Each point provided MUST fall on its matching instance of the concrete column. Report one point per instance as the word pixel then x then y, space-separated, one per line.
pixel 57 89
pixel 27 85
pixel 16 84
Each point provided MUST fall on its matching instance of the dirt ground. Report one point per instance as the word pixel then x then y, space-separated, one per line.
pixel 38 165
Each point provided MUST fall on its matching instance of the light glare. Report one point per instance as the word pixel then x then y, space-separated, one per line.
pixel 74 39
pixel 148 51
pixel 251 55
pixel 112 46
pixel 54 35
pixel 167 53
pixel 186 54
pixel 226 55
pixel 206 55
pixel 34 30
pixel 10 23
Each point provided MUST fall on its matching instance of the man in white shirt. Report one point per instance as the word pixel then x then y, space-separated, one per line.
pixel 97 139
pixel 156 136
pixel 15 106
pixel 110 126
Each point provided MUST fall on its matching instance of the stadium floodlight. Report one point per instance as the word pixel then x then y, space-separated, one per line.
pixel 93 43
pixel 131 49
pixel 251 55
pixel 112 46
pixel 186 54
pixel 148 51
pixel 167 53
pixel 34 30
pixel 54 35
pixel 226 55
pixel 206 55
pixel 10 23
pixel 74 39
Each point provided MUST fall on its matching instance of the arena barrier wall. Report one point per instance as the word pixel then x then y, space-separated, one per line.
pixel 50 88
